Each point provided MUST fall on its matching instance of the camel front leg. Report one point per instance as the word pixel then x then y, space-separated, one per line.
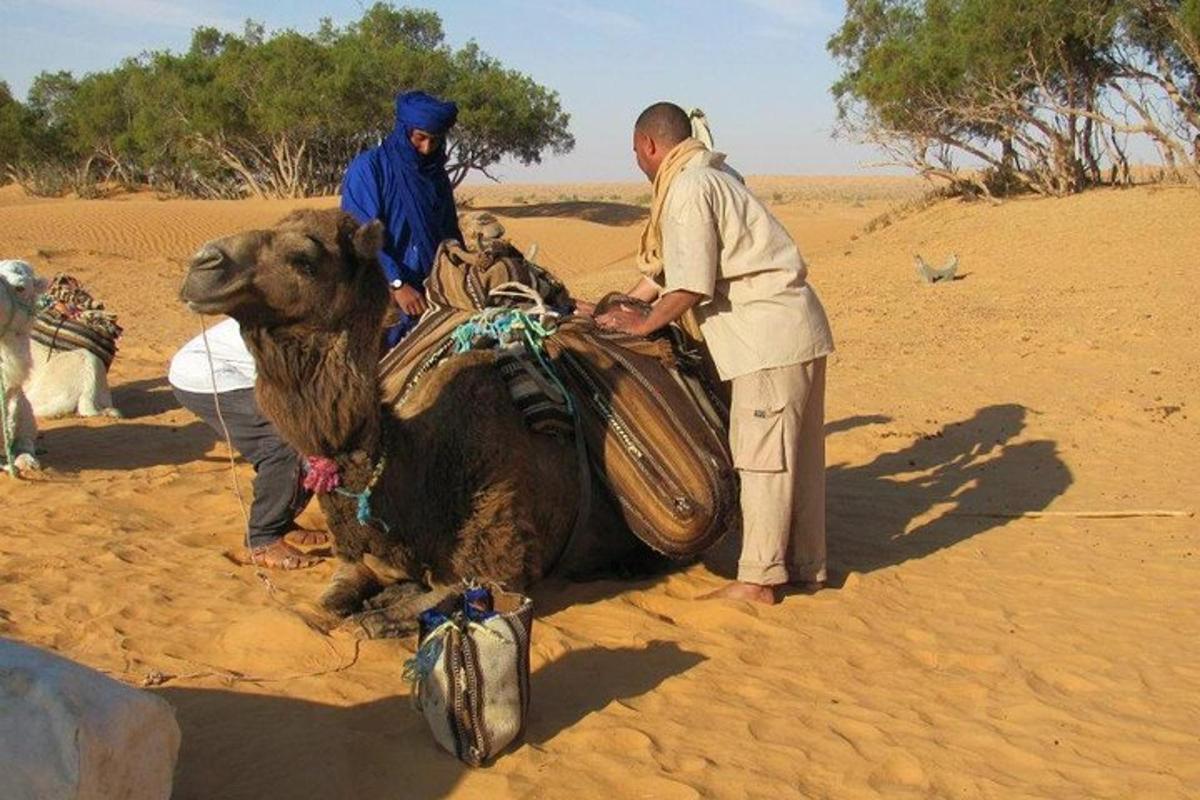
pixel 24 432
pixel 351 586
pixel 393 612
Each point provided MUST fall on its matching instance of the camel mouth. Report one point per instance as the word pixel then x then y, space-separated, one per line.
pixel 208 293
pixel 203 307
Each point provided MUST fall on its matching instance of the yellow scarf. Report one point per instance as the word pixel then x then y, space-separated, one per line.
pixel 650 259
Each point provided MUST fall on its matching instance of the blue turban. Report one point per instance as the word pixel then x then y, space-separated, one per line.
pixel 424 111
pixel 408 192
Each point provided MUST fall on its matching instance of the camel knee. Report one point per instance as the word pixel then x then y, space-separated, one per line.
pixel 395 611
pixel 350 587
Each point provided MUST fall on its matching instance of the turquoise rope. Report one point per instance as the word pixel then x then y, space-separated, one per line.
pixel 363 509
pixel 9 455
pixel 504 325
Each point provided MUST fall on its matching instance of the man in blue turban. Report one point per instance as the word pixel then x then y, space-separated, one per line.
pixel 403 184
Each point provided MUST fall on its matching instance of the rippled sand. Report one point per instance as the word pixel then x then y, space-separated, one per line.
pixel 968 649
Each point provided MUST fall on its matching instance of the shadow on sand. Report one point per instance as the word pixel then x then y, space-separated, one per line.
pixel 119 445
pixel 969 469
pixel 144 398
pixel 603 213
pixel 240 745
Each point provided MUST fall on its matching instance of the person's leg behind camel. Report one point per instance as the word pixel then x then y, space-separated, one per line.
pixel 278 494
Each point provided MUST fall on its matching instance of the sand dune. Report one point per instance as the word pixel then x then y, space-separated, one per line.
pixel 966 651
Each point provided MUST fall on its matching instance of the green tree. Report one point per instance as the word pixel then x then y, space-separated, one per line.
pixel 282 113
pixel 1034 90
pixel 14 126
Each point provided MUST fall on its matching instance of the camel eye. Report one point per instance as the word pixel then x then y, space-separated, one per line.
pixel 303 262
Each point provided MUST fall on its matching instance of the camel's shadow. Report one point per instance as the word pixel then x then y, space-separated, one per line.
pixel 145 398
pixel 971 469
pixel 241 745
pixel 123 446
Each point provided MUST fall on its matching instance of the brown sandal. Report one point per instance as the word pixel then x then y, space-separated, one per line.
pixel 308 541
pixel 280 555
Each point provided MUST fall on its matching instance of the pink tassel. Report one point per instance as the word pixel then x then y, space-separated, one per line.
pixel 321 475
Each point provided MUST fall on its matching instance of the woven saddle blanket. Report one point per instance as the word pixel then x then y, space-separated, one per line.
pixel 69 318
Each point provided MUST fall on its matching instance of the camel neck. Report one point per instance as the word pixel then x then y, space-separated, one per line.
pixel 319 388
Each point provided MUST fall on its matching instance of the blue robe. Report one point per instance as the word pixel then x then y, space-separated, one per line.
pixel 409 193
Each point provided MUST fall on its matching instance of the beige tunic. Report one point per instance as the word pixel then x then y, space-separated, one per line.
pixel 721 242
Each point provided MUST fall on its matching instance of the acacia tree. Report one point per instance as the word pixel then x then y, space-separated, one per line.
pixel 282 114
pixel 1032 90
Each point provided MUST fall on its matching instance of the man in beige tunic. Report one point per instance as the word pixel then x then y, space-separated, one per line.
pixel 712 252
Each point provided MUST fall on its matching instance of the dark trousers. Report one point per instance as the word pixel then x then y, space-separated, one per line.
pixel 278 495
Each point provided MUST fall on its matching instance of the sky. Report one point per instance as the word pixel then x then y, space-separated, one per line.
pixel 758 68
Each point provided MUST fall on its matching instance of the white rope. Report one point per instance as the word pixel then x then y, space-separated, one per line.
pixel 519 291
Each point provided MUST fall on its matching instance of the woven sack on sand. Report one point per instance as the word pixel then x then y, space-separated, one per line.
pixel 471 671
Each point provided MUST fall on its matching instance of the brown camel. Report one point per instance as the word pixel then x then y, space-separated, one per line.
pixel 465 489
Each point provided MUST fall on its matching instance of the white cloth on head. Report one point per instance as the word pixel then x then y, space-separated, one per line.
pixel 232 363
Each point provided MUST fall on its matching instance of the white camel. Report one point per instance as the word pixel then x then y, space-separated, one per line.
pixel 65 382
pixel 19 288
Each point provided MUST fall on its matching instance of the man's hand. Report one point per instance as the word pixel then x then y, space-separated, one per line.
pixel 410 301
pixel 670 307
pixel 622 318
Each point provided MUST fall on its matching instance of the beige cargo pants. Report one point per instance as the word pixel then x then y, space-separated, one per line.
pixel 777 436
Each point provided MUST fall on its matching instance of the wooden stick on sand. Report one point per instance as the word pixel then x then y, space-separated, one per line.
pixel 1073 514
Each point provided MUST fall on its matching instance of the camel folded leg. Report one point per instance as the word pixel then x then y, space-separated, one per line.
pixel 351 586
pixel 393 612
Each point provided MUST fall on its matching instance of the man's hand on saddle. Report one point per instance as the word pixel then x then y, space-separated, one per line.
pixel 409 300
pixel 635 316
pixel 618 317
pixel 619 312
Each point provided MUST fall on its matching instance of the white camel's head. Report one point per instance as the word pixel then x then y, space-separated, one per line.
pixel 19 293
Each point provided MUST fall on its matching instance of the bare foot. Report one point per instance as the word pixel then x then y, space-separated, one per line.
pixel 280 555
pixel 737 590
pixel 309 541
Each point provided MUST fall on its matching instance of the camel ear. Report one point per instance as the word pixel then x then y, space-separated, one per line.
pixel 368 240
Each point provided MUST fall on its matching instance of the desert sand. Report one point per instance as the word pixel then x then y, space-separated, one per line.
pixel 980 639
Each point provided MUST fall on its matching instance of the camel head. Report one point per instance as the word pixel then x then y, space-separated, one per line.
pixel 316 270
pixel 19 293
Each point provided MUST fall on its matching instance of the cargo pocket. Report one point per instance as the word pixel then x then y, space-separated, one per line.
pixel 756 425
